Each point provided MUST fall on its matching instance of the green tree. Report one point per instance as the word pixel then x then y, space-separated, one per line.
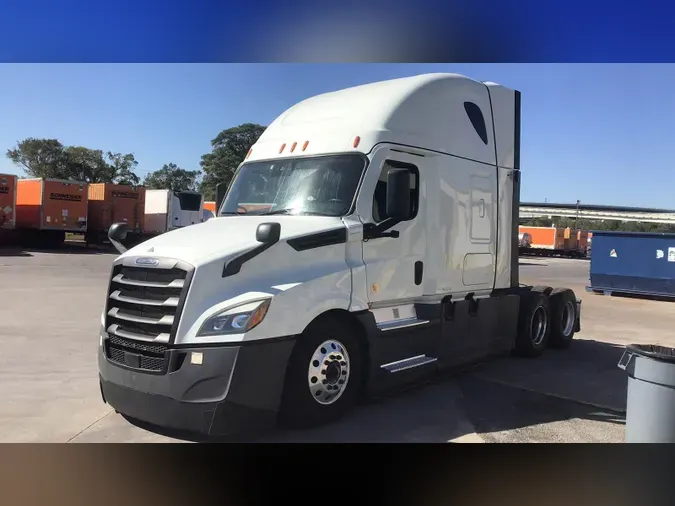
pixel 609 225
pixel 84 164
pixel 123 167
pixel 50 159
pixel 229 149
pixel 40 157
pixel 172 177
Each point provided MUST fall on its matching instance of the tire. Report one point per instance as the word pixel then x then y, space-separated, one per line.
pixel 534 327
pixel 306 402
pixel 546 290
pixel 57 239
pixel 50 239
pixel 563 317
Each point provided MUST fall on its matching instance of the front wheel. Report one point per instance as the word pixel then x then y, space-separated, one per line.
pixel 323 377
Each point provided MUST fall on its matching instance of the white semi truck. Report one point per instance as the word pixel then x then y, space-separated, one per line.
pixel 167 210
pixel 369 240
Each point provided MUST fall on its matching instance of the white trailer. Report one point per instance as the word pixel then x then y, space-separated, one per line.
pixel 167 210
pixel 369 240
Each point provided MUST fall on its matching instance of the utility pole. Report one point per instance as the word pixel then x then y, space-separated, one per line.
pixel 577 217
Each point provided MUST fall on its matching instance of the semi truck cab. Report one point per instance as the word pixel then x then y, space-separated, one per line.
pixel 369 240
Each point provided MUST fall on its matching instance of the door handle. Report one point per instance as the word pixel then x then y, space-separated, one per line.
pixel 419 272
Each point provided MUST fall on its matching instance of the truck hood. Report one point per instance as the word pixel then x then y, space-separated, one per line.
pixel 225 236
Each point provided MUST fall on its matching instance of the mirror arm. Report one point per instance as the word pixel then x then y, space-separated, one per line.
pixel 375 231
pixel 118 245
pixel 115 232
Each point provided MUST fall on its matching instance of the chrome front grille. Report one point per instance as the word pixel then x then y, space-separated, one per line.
pixel 143 310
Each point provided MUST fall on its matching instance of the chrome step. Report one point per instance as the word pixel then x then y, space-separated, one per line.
pixel 401 324
pixel 408 363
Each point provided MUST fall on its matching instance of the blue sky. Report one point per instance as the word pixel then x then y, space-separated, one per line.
pixel 600 133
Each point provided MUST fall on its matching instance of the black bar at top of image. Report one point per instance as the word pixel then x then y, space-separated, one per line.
pixel 303 31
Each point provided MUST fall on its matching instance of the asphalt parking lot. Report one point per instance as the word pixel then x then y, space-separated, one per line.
pixel 49 390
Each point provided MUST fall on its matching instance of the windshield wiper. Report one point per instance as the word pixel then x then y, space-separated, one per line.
pixel 278 211
pixel 231 213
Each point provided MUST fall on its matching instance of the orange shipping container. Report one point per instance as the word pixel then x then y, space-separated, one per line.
pixel 582 239
pixel 567 239
pixel 51 204
pixel 571 239
pixel 210 206
pixel 545 237
pixel 113 203
pixel 7 200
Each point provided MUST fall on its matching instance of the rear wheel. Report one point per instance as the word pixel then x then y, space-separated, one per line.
pixel 563 317
pixel 324 375
pixel 534 327
pixel 546 290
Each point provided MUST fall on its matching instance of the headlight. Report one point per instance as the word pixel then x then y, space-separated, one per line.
pixel 235 320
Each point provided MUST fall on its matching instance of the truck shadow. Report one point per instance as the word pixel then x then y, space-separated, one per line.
pixel 508 399
pixel 13 251
pixel 68 248
pixel 75 248
pixel 635 296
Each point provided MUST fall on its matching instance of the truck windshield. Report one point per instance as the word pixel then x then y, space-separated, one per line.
pixel 321 186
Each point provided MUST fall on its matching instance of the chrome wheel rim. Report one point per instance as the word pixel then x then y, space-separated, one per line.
pixel 328 372
pixel 568 317
pixel 539 325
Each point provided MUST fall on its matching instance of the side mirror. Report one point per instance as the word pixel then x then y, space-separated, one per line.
pixel 221 189
pixel 118 233
pixel 268 233
pixel 398 194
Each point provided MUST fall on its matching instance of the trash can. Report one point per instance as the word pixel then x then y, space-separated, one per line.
pixel 650 403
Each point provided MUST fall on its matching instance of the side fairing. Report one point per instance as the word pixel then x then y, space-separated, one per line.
pixel 504 239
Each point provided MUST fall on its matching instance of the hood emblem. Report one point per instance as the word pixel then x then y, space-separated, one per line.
pixel 147 261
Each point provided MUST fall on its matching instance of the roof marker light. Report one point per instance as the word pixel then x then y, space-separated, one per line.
pixel 293 146
pixel 281 149
pixel 357 139
pixel 249 152
pixel 304 146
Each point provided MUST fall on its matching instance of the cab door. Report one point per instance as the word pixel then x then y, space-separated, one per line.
pixel 394 265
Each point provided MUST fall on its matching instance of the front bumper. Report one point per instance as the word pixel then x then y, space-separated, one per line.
pixel 235 389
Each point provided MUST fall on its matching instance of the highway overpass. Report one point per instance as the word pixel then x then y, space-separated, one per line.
pixel 595 212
